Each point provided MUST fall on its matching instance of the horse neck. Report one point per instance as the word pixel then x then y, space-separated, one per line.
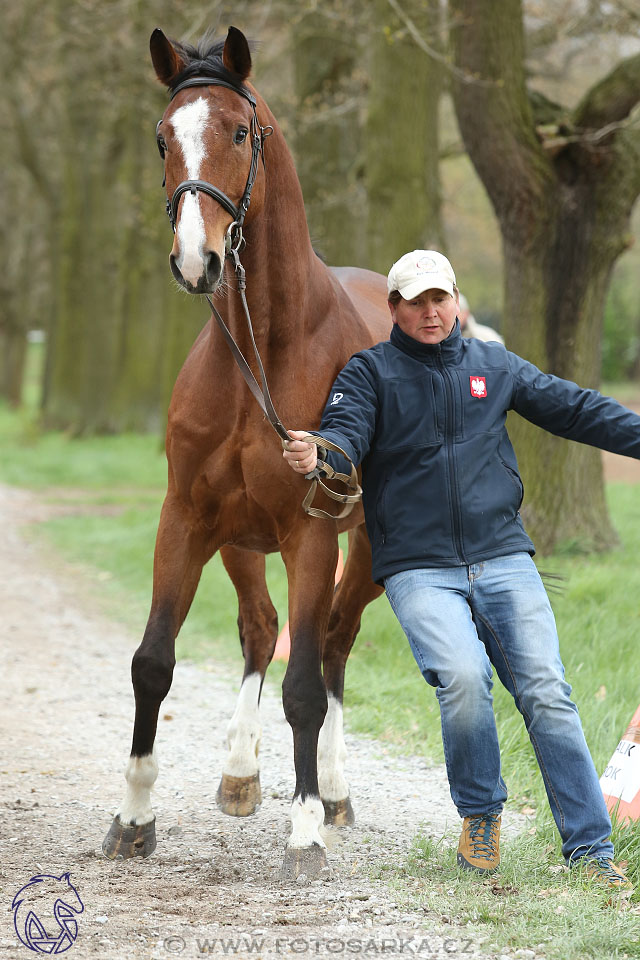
pixel 285 278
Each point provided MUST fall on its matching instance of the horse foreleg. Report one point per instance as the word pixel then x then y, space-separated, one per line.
pixel 355 590
pixel 239 792
pixel 179 557
pixel 310 560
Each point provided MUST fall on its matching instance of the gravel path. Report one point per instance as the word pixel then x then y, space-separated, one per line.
pixel 212 886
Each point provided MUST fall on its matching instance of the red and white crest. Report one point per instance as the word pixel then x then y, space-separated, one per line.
pixel 478 386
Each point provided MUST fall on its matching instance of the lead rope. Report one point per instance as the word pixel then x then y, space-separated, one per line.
pixel 263 397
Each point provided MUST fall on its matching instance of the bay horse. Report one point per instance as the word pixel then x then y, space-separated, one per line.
pixel 228 486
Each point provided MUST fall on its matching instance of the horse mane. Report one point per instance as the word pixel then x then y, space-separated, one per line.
pixel 204 60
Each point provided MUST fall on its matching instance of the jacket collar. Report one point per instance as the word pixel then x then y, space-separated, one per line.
pixel 448 350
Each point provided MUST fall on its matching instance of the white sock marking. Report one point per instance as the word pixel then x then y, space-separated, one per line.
pixel 140 775
pixel 306 820
pixel 244 731
pixel 332 754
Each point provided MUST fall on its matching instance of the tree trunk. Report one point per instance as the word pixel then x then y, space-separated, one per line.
pixel 563 204
pixel 328 135
pixel 13 350
pixel 401 169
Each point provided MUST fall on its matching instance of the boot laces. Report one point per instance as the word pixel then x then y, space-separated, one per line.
pixel 605 868
pixel 482 835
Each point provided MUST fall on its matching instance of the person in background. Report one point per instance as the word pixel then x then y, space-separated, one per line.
pixel 424 414
pixel 470 326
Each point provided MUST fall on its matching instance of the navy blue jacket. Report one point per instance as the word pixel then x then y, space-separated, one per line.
pixel 427 422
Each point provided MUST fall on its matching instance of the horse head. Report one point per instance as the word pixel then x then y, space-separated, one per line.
pixel 210 140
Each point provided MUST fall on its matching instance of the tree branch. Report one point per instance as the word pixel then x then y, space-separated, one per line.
pixel 444 60
pixel 611 99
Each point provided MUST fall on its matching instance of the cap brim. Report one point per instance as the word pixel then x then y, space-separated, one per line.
pixel 430 282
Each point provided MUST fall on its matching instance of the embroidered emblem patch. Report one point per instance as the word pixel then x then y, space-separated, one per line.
pixel 478 386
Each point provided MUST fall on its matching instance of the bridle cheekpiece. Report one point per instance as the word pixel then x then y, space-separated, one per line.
pixel 259 134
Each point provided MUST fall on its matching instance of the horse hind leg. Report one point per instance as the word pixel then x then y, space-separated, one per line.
pixel 239 793
pixel 355 590
pixel 178 562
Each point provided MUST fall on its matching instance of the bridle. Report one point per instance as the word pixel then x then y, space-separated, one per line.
pixel 258 136
pixel 233 244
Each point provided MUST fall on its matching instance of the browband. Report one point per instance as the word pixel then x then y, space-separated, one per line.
pixel 213 82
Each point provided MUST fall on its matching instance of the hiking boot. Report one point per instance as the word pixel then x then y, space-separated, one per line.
pixel 479 847
pixel 604 871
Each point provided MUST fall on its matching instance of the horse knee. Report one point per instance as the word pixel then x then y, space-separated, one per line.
pixel 151 675
pixel 304 700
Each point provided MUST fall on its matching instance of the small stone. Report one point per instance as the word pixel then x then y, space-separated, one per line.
pixel 301 878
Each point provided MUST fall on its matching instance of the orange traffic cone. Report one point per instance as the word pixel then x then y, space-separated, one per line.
pixel 620 781
pixel 283 643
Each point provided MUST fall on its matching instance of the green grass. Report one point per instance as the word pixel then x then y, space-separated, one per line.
pixel 106 494
pixel 533 903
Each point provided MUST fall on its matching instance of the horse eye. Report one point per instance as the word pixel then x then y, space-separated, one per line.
pixel 162 145
pixel 240 135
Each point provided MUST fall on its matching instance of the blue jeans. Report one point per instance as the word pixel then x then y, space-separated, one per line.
pixel 461 620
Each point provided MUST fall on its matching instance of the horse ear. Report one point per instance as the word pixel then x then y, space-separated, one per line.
pixel 236 56
pixel 166 60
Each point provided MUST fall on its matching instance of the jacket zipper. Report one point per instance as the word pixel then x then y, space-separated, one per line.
pixel 449 427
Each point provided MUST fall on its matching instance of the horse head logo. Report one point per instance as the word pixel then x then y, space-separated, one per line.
pixel 44 913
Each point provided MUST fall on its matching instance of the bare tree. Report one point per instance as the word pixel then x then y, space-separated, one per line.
pixel 563 181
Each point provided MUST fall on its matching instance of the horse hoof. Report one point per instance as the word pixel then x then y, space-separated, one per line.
pixel 338 813
pixel 239 796
pixel 309 861
pixel 125 841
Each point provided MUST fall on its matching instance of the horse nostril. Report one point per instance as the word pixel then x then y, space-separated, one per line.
pixel 213 268
pixel 175 269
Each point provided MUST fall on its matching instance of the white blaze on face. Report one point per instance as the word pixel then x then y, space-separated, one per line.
pixel 189 124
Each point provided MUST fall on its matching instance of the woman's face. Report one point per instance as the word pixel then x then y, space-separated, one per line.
pixel 428 318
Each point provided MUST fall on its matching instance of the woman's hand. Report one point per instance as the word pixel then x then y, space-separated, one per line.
pixel 300 455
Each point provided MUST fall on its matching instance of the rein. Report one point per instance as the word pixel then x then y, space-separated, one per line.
pixel 233 242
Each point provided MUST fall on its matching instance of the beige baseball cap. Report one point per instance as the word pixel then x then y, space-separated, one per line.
pixel 421 270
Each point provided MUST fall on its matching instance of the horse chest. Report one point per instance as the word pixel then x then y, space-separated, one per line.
pixel 227 501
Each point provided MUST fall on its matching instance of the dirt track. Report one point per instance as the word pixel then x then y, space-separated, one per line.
pixel 212 887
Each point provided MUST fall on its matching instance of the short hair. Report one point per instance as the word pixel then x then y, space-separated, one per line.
pixel 395 296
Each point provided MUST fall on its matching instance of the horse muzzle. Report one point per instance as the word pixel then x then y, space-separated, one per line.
pixel 197 275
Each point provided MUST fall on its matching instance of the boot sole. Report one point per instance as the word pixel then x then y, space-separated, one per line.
pixel 471 866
